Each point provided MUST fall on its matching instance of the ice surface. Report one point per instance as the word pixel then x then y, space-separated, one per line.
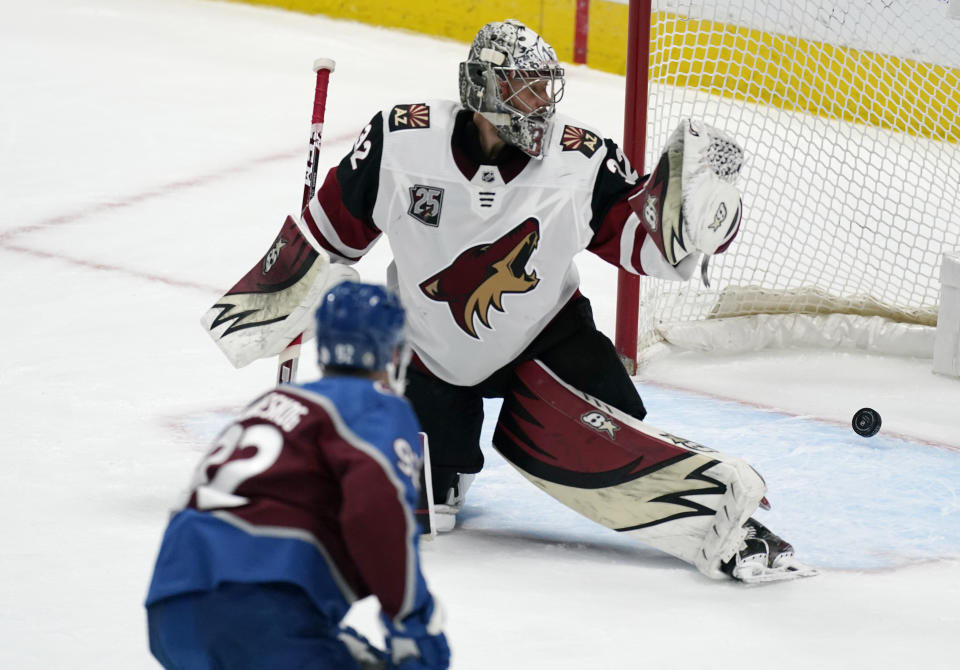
pixel 150 151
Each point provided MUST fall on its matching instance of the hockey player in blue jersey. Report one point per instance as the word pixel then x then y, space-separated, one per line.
pixel 302 506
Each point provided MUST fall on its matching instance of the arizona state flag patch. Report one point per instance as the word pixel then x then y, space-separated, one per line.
pixel 407 117
pixel 578 139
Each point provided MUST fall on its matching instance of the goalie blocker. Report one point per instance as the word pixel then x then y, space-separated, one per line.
pixel 274 302
pixel 674 494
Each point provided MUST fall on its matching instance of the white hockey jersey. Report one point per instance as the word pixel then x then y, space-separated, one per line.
pixel 483 252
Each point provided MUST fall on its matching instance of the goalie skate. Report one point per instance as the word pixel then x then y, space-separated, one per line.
pixel 445 513
pixel 765 557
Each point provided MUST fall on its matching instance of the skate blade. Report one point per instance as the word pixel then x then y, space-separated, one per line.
pixel 753 573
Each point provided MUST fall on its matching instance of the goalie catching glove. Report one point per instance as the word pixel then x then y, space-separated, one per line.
pixel 691 204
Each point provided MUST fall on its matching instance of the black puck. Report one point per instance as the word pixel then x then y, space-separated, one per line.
pixel 866 422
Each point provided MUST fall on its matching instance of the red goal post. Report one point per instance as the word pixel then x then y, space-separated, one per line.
pixel 634 142
pixel 850 121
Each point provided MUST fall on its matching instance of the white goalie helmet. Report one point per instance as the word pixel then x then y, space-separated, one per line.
pixel 512 78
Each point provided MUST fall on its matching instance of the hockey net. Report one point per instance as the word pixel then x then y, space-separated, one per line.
pixel 849 114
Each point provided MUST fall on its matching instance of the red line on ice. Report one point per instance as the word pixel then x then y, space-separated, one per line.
pixel 7 237
pixel 137 274
pixel 139 198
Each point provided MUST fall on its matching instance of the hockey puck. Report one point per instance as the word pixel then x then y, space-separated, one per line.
pixel 866 422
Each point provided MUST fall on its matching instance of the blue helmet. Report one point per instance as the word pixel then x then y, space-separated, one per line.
pixel 359 326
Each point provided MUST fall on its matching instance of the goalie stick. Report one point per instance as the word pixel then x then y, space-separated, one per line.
pixel 288 358
pixel 425 510
pixel 268 312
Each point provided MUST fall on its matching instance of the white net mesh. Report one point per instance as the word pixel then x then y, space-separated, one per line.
pixel 849 115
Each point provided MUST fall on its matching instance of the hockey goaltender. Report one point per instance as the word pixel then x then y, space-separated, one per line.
pixel 485 202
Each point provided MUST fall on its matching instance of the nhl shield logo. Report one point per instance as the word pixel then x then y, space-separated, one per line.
pixel 425 204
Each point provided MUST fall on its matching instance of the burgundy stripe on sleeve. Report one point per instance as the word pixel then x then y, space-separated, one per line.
pixel 607 240
pixel 354 235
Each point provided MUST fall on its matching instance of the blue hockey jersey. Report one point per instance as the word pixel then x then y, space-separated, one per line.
pixel 312 485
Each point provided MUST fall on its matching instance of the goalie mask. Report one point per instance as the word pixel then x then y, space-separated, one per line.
pixel 512 78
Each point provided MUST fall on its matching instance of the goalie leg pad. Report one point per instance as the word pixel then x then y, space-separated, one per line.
pixel 669 492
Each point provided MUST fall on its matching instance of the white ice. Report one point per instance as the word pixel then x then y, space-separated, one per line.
pixel 149 151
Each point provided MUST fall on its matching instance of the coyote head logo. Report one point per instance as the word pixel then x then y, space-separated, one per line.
pixel 479 277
